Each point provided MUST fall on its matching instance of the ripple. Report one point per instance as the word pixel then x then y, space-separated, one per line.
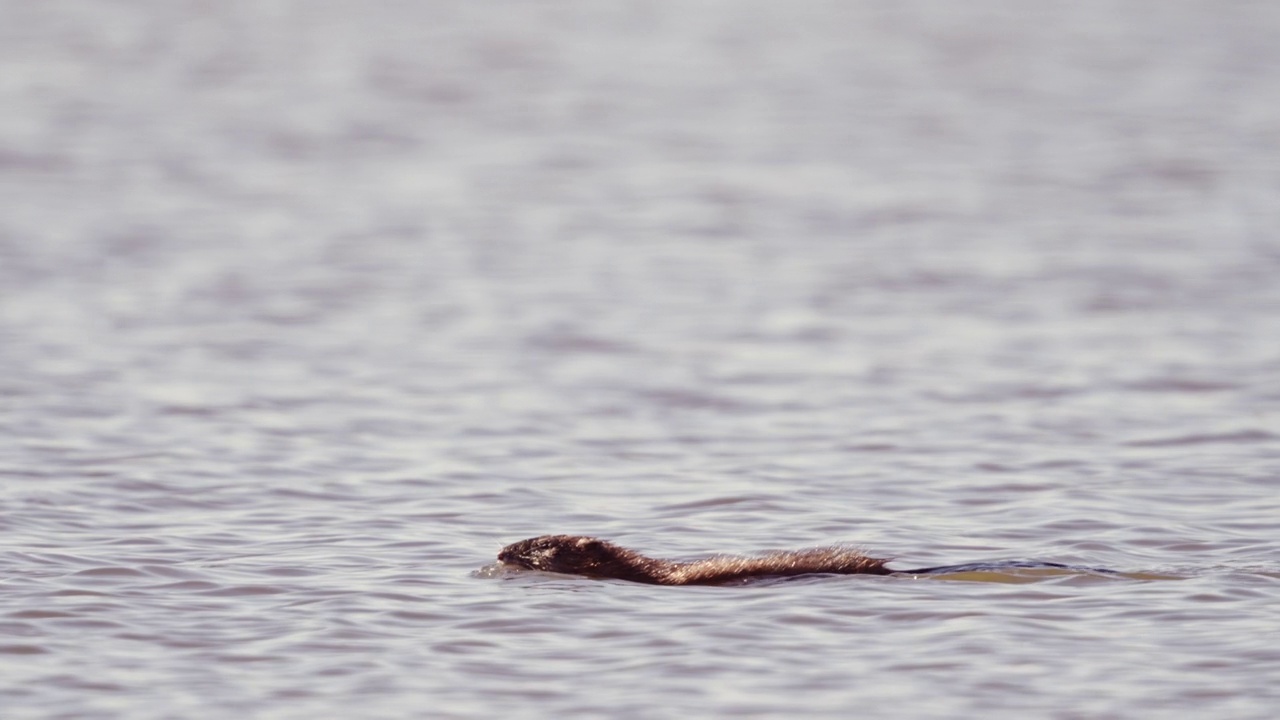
pixel 1182 385
pixel 22 650
pixel 245 590
pixel 39 614
pixel 1241 436
pixel 110 572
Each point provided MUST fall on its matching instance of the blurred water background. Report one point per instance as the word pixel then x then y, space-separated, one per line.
pixel 307 308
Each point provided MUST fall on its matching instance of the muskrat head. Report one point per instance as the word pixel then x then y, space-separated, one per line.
pixel 561 553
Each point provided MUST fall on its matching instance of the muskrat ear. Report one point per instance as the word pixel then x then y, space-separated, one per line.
pixel 588 545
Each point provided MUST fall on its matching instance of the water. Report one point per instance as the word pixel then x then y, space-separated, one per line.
pixel 306 309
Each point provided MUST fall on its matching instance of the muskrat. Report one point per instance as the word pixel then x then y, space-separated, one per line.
pixel 575 555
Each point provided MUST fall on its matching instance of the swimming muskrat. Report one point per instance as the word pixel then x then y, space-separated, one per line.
pixel 575 555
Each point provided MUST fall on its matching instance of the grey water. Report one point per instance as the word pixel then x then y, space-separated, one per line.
pixel 307 309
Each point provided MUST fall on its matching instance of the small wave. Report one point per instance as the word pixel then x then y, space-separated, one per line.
pixel 22 650
pixel 1180 385
pixel 1242 436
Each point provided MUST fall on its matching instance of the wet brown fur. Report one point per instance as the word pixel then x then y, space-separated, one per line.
pixel 574 555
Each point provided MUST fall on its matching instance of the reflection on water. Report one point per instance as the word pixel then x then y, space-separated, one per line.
pixel 1015 575
pixel 306 308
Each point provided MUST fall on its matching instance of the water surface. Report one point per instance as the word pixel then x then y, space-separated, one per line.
pixel 308 309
